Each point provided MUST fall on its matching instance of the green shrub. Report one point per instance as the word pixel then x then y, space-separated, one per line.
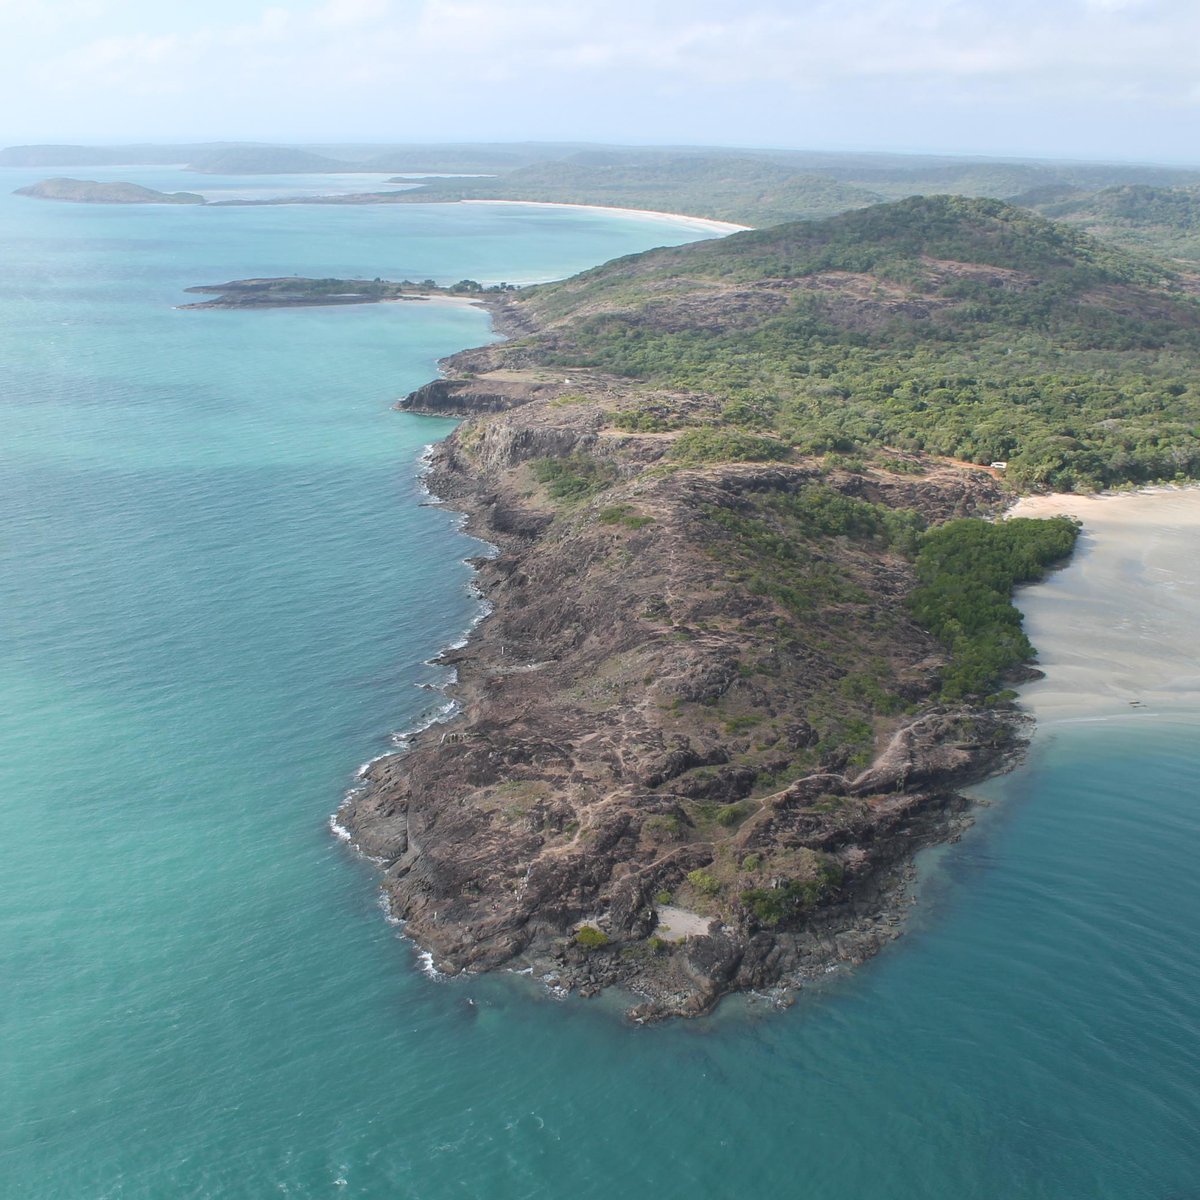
pixel 722 445
pixel 773 906
pixel 623 514
pixel 731 815
pixel 573 478
pixel 591 938
pixel 665 824
pixel 704 882
pixel 636 421
pixel 746 721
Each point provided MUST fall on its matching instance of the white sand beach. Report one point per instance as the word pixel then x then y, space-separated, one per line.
pixel 467 300
pixel 699 223
pixel 1118 629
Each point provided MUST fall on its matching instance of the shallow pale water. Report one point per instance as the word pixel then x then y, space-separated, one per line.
pixel 1119 625
pixel 217 592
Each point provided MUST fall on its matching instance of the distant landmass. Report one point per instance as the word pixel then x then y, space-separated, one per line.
pixel 90 191
pixel 746 190
pixel 1163 220
pixel 748 186
pixel 769 187
pixel 268 160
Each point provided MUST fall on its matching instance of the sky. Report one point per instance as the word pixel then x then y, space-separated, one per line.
pixel 1088 79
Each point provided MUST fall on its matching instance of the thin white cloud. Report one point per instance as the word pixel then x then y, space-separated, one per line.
pixel 352 14
pixel 492 53
pixel 466 40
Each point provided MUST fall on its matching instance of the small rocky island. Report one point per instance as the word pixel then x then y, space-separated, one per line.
pixel 295 291
pixel 91 191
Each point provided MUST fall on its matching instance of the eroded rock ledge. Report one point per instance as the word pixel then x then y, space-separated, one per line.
pixel 647 727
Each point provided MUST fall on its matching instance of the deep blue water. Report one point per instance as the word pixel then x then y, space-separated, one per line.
pixel 218 590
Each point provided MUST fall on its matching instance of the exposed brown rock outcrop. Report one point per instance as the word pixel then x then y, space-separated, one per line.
pixel 637 721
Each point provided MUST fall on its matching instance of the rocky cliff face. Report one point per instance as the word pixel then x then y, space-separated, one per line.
pixel 674 771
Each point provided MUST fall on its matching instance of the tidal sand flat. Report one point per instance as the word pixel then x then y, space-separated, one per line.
pixel 1116 627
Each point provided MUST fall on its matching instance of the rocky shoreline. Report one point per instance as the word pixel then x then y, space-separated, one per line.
pixel 631 738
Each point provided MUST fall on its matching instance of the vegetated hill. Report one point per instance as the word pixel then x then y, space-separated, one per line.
pixel 89 191
pixel 447 159
pixel 1041 197
pixel 1176 208
pixel 729 188
pixel 266 160
pixel 995 180
pixel 951 326
pixel 497 157
pixel 899 175
pixel 1159 220
pixel 470 158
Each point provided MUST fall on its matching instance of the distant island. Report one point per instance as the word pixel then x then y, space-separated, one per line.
pixel 91 191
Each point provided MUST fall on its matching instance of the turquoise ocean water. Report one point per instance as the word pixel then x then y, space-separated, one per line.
pixel 218 590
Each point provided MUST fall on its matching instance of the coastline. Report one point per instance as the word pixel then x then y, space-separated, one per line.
pixel 708 224
pixel 403 196
pixel 1115 627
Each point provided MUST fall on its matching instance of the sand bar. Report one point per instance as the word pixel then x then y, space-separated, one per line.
pixel 1118 629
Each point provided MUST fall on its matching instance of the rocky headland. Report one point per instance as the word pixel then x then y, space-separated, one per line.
pixel 647 745
pixel 751 629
